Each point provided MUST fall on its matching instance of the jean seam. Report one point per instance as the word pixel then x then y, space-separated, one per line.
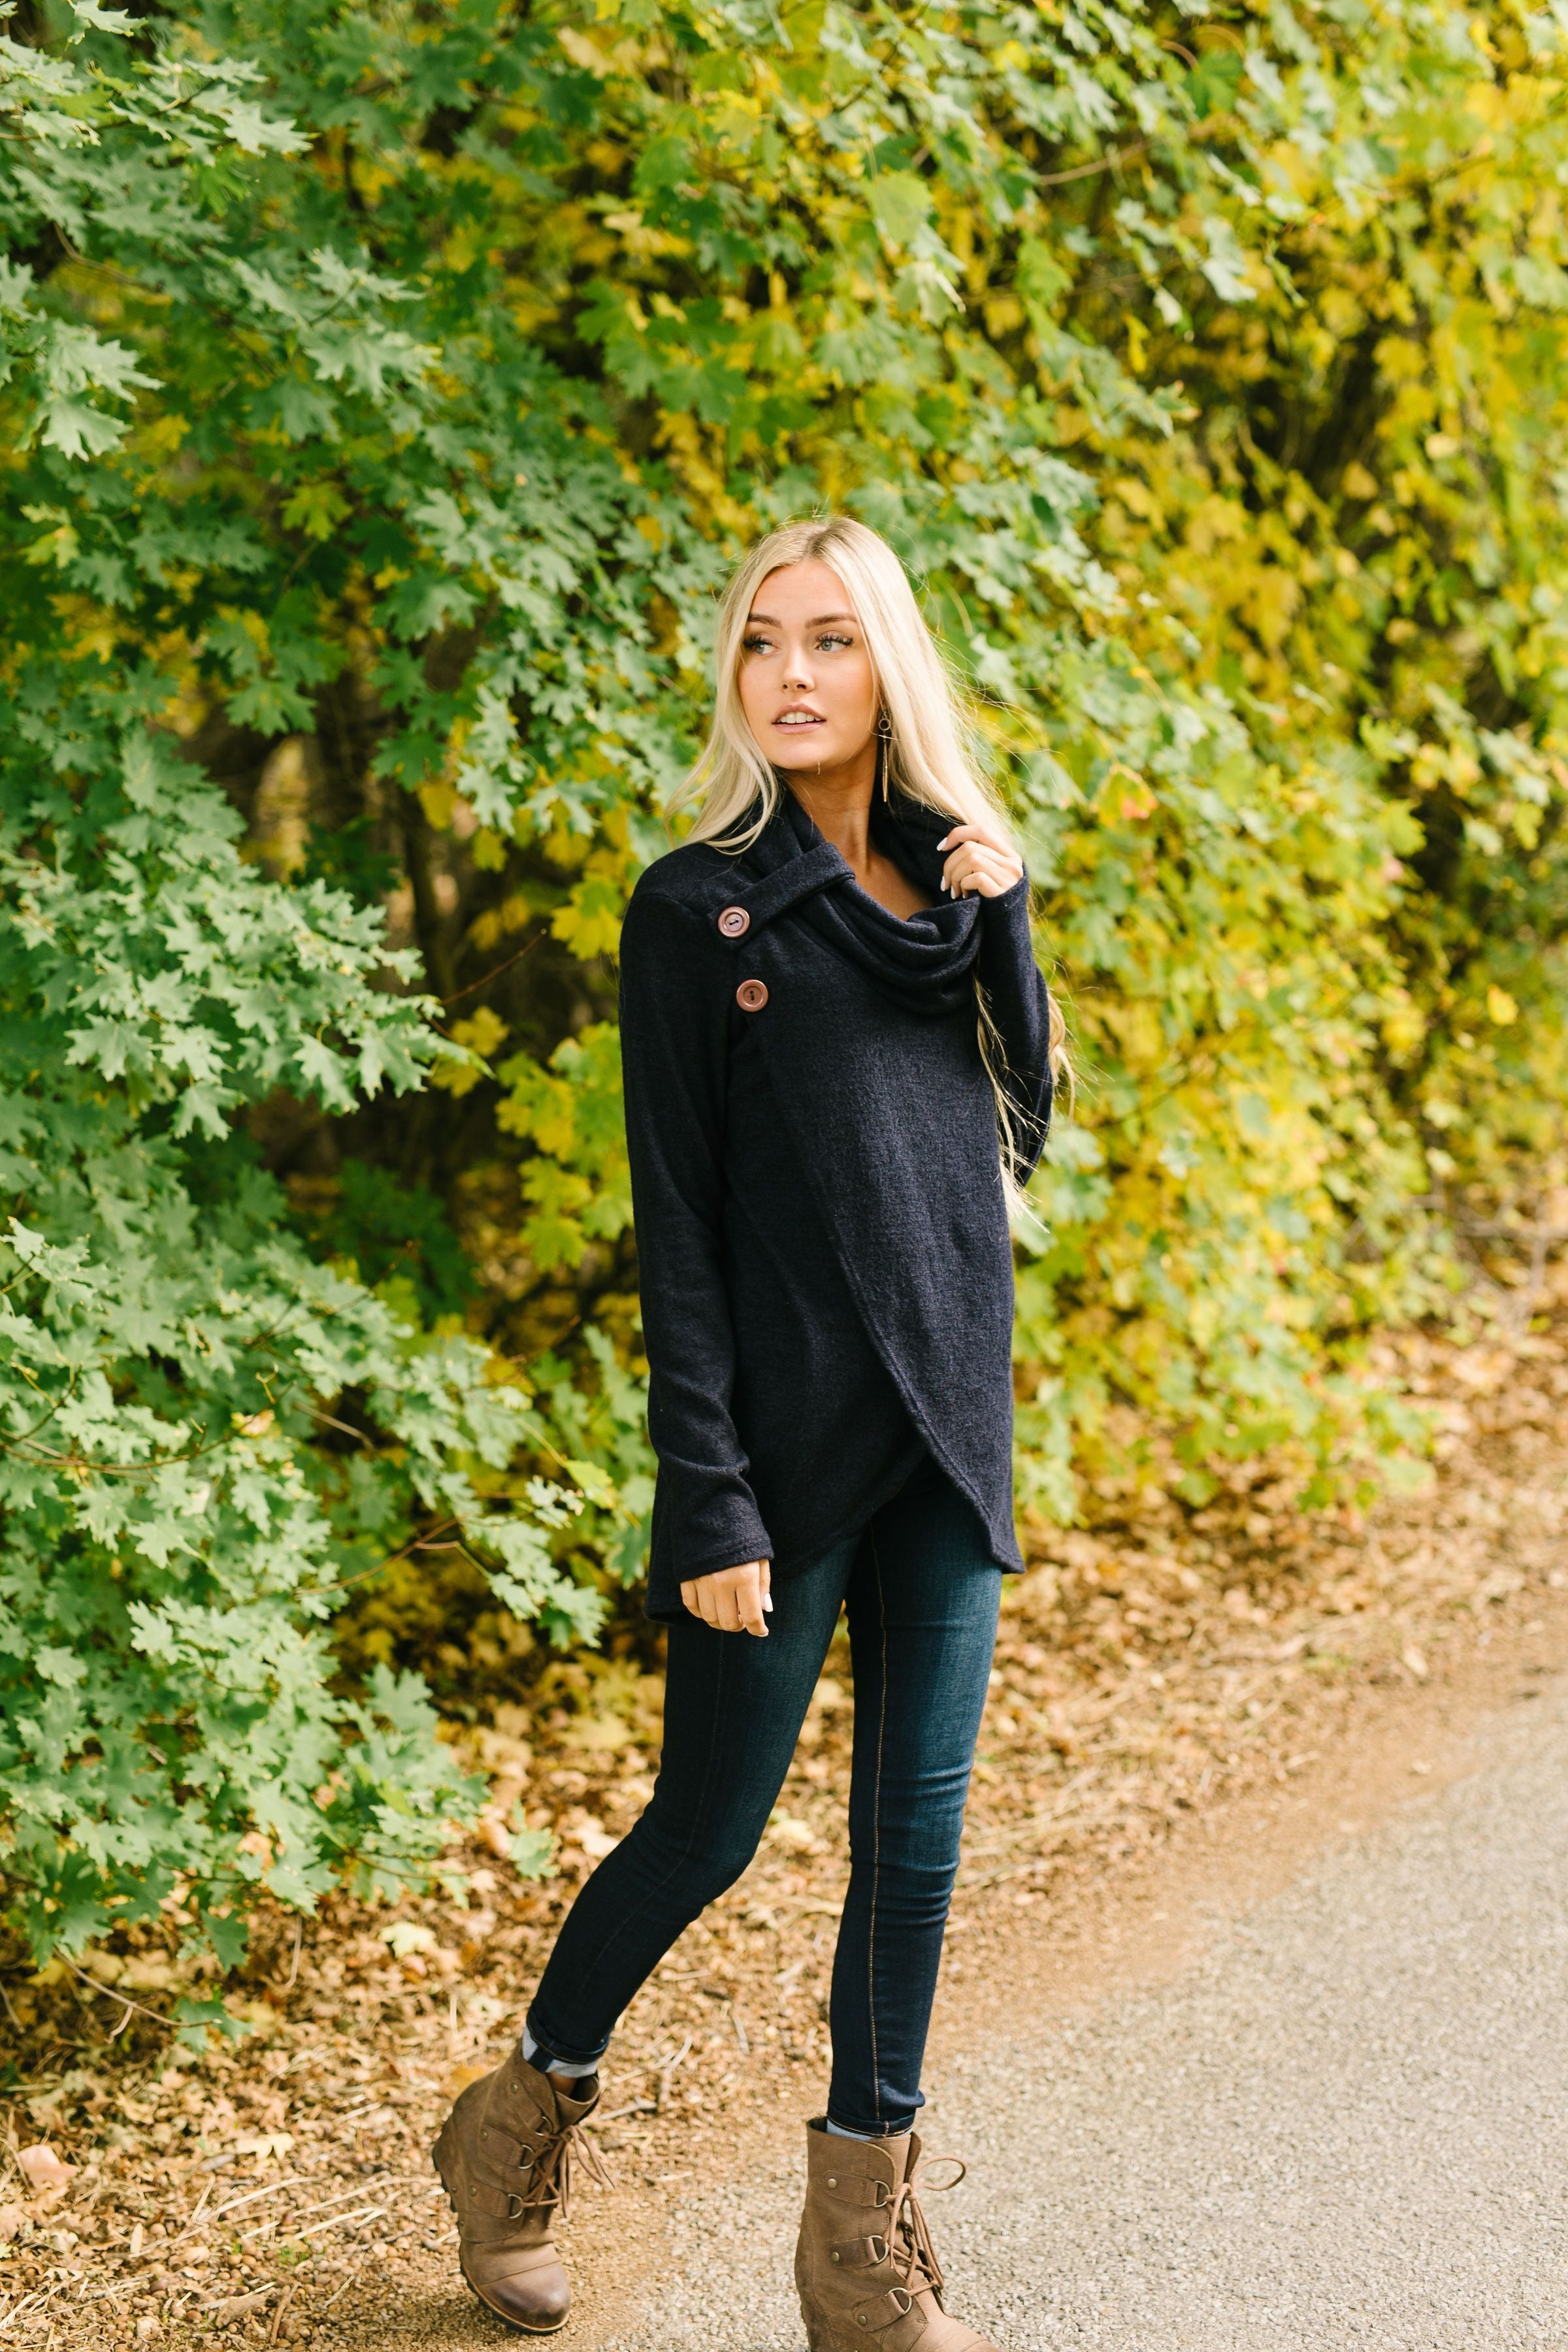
pixel 698 1811
pixel 876 1836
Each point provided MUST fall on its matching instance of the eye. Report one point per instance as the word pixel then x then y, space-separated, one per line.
pixel 755 645
pixel 831 639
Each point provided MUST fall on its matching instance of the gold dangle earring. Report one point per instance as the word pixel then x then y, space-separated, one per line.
pixel 884 742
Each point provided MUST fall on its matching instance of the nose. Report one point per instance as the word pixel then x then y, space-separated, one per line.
pixel 796 678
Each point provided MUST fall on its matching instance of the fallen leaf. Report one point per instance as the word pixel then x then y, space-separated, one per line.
pixel 11 2219
pixel 794 1836
pixel 44 2170
pixel 233 2306
pixel 407 1936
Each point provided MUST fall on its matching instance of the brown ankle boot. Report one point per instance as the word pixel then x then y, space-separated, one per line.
pixel 505 2160
pixel 865 2265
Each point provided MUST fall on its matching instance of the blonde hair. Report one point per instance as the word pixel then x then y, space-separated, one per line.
pixel 930 752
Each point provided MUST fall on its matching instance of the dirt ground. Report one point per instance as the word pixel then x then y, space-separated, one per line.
pixel 1181 1707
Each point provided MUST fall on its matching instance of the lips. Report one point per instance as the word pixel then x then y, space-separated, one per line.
pixel 798 717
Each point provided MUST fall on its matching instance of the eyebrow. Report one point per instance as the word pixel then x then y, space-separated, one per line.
pixel 767 620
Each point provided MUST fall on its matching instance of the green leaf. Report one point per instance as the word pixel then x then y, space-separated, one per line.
pixel 531 1852
pixel 900 206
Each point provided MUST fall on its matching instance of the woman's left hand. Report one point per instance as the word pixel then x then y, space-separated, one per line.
pixel 978 862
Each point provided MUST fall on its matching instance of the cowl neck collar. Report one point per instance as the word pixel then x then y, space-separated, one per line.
pixel 925 959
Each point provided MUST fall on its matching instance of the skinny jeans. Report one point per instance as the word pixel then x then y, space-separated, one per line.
pixel 922 1594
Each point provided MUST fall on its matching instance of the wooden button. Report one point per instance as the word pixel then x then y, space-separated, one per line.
pixel 735 922
pixel 751 996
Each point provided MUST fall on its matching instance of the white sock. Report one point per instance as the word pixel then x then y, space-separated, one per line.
pixel 574 2067
pixel 839 2133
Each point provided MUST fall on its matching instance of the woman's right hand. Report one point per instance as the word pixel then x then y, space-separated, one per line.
pixel 731 1600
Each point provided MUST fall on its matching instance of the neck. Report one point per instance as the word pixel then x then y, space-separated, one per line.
pixel 838 801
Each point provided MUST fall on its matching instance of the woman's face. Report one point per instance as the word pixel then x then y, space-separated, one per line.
pixel 806 683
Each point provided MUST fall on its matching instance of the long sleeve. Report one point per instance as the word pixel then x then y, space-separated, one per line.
pixel 674 1004
pixel 1020 1006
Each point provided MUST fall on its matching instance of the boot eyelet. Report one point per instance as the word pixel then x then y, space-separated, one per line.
pixel 837 2255
pixel 860 2319
pixel 831 2182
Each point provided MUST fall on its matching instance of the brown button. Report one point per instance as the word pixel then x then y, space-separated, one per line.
pixel 735 922
pixel 751 996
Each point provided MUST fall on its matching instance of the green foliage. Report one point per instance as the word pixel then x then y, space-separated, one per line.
pixel 177 1529
pixel 386 391
pixel 389 1232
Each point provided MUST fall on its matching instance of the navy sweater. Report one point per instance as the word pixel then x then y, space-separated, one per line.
pixel 827 1270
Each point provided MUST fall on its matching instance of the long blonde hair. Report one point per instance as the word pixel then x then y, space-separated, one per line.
pixel 931 753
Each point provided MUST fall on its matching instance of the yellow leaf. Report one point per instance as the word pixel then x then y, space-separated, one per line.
pixel 316 508
pixel 1500 1006
pixel 595 1483
pixel 482 1033
pixel 590 922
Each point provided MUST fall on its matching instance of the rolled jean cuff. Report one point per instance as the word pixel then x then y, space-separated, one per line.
pixel 860 2127
pixel 551 2044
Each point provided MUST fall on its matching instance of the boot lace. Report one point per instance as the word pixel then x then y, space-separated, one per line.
pixel 554 2155
pixel 910 2247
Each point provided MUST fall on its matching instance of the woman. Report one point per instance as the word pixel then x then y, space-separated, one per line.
pixel 838 1053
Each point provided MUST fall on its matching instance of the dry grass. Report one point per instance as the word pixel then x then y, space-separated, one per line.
pixel 1144 1671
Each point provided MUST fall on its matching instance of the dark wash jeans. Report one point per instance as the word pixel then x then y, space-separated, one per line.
pixel 922 1594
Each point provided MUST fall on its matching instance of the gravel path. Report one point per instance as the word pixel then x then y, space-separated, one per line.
pixel 1345 2126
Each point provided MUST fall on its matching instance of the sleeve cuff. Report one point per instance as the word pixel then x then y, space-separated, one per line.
pixel 727 1556
pixel 1008 904
pixel 1006 935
